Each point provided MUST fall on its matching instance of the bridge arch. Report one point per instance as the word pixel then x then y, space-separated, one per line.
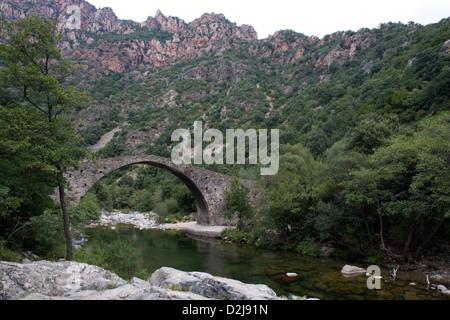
pixel 207 187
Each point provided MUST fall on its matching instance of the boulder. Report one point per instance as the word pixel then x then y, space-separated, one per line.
pixel 209 286
pixel 443 289
pixel 326 252
pixel 65 280
pixel 53 278
pixel 350 271
pixel 229 289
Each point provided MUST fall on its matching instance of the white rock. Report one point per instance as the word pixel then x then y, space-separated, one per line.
pixel 350 271
pixel 291 274
pixel 209 286
pixel 443 289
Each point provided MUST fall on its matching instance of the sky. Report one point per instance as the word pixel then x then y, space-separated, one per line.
pixel 312 17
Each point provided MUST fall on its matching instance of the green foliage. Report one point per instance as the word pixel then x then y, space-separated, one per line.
pixel 391 193
pixel 152 189
pixel 33 74
pixel 87 209
pixel 120 257
pixel 44 235
pixel 235 235
pixel 237 202
pixel 8 255
pixel 33 66
pixel 308 247
pixel 364 155
pixel 290 196
pixel 165 209
pixel 8 204
pixel 371 132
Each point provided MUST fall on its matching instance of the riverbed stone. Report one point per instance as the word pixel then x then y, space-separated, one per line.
pixel 443 289
pixel 350 271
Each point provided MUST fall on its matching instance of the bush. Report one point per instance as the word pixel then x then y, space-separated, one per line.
pixel 44 235
pixel 234 235
pixel 120 257
pixel 237 202
pixel 8 255
pixel 165 209
pixel 308 248
pixel 87 209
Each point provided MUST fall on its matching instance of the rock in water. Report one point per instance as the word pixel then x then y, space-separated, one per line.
pixel 291 274
pixel 350 271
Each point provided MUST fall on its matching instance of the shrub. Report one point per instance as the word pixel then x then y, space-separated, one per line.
pixel 165 209
pixel 120 257
pixel 308 248
pixel 44 235
pixel 8 255
pixel 87 209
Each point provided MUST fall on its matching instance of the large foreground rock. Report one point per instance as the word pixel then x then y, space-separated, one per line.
pixel 209 286
pixel 44 280
pixel 53 279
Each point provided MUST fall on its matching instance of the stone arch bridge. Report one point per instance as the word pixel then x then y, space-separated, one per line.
pixel 207 187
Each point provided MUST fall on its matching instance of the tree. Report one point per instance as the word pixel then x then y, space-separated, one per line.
pixel 34 73
pixel 407 182
pixel 237 201
pixel 290 197
pixel 316 140
pixel 371 132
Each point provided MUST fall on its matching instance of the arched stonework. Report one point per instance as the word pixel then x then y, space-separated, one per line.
pixel 208 187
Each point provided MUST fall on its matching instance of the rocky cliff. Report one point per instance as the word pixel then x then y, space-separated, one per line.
pixel 164 73
pixel 101 42
pixel 104 43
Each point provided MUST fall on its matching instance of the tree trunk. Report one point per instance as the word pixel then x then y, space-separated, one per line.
pixel 65 212
pixel 369 232
pixel 407 250
pixel 380 216
pixel 419 251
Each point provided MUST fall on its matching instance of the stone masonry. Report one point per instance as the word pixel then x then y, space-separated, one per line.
pixel 207 187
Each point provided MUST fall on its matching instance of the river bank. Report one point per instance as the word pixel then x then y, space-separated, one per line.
pixel 145 221
pixel 148 221
pixel 142 221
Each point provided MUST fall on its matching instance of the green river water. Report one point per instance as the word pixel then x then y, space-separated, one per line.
pixel 317 277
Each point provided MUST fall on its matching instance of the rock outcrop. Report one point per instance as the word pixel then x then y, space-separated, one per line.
pixel 64 280
pixel 105 43
pixel 209 286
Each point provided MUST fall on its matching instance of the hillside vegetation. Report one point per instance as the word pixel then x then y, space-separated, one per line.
pixel 363 117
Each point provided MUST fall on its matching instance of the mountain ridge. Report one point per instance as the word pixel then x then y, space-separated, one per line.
pixel 163 73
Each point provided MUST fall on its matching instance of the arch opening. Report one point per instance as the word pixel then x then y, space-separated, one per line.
pixel 202 206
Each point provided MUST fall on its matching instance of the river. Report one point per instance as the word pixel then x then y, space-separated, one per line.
pixel 316 277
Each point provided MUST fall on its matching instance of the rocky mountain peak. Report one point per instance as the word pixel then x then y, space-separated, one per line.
pixel 160 17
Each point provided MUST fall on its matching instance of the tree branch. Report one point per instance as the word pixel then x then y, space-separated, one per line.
pixel 30 101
